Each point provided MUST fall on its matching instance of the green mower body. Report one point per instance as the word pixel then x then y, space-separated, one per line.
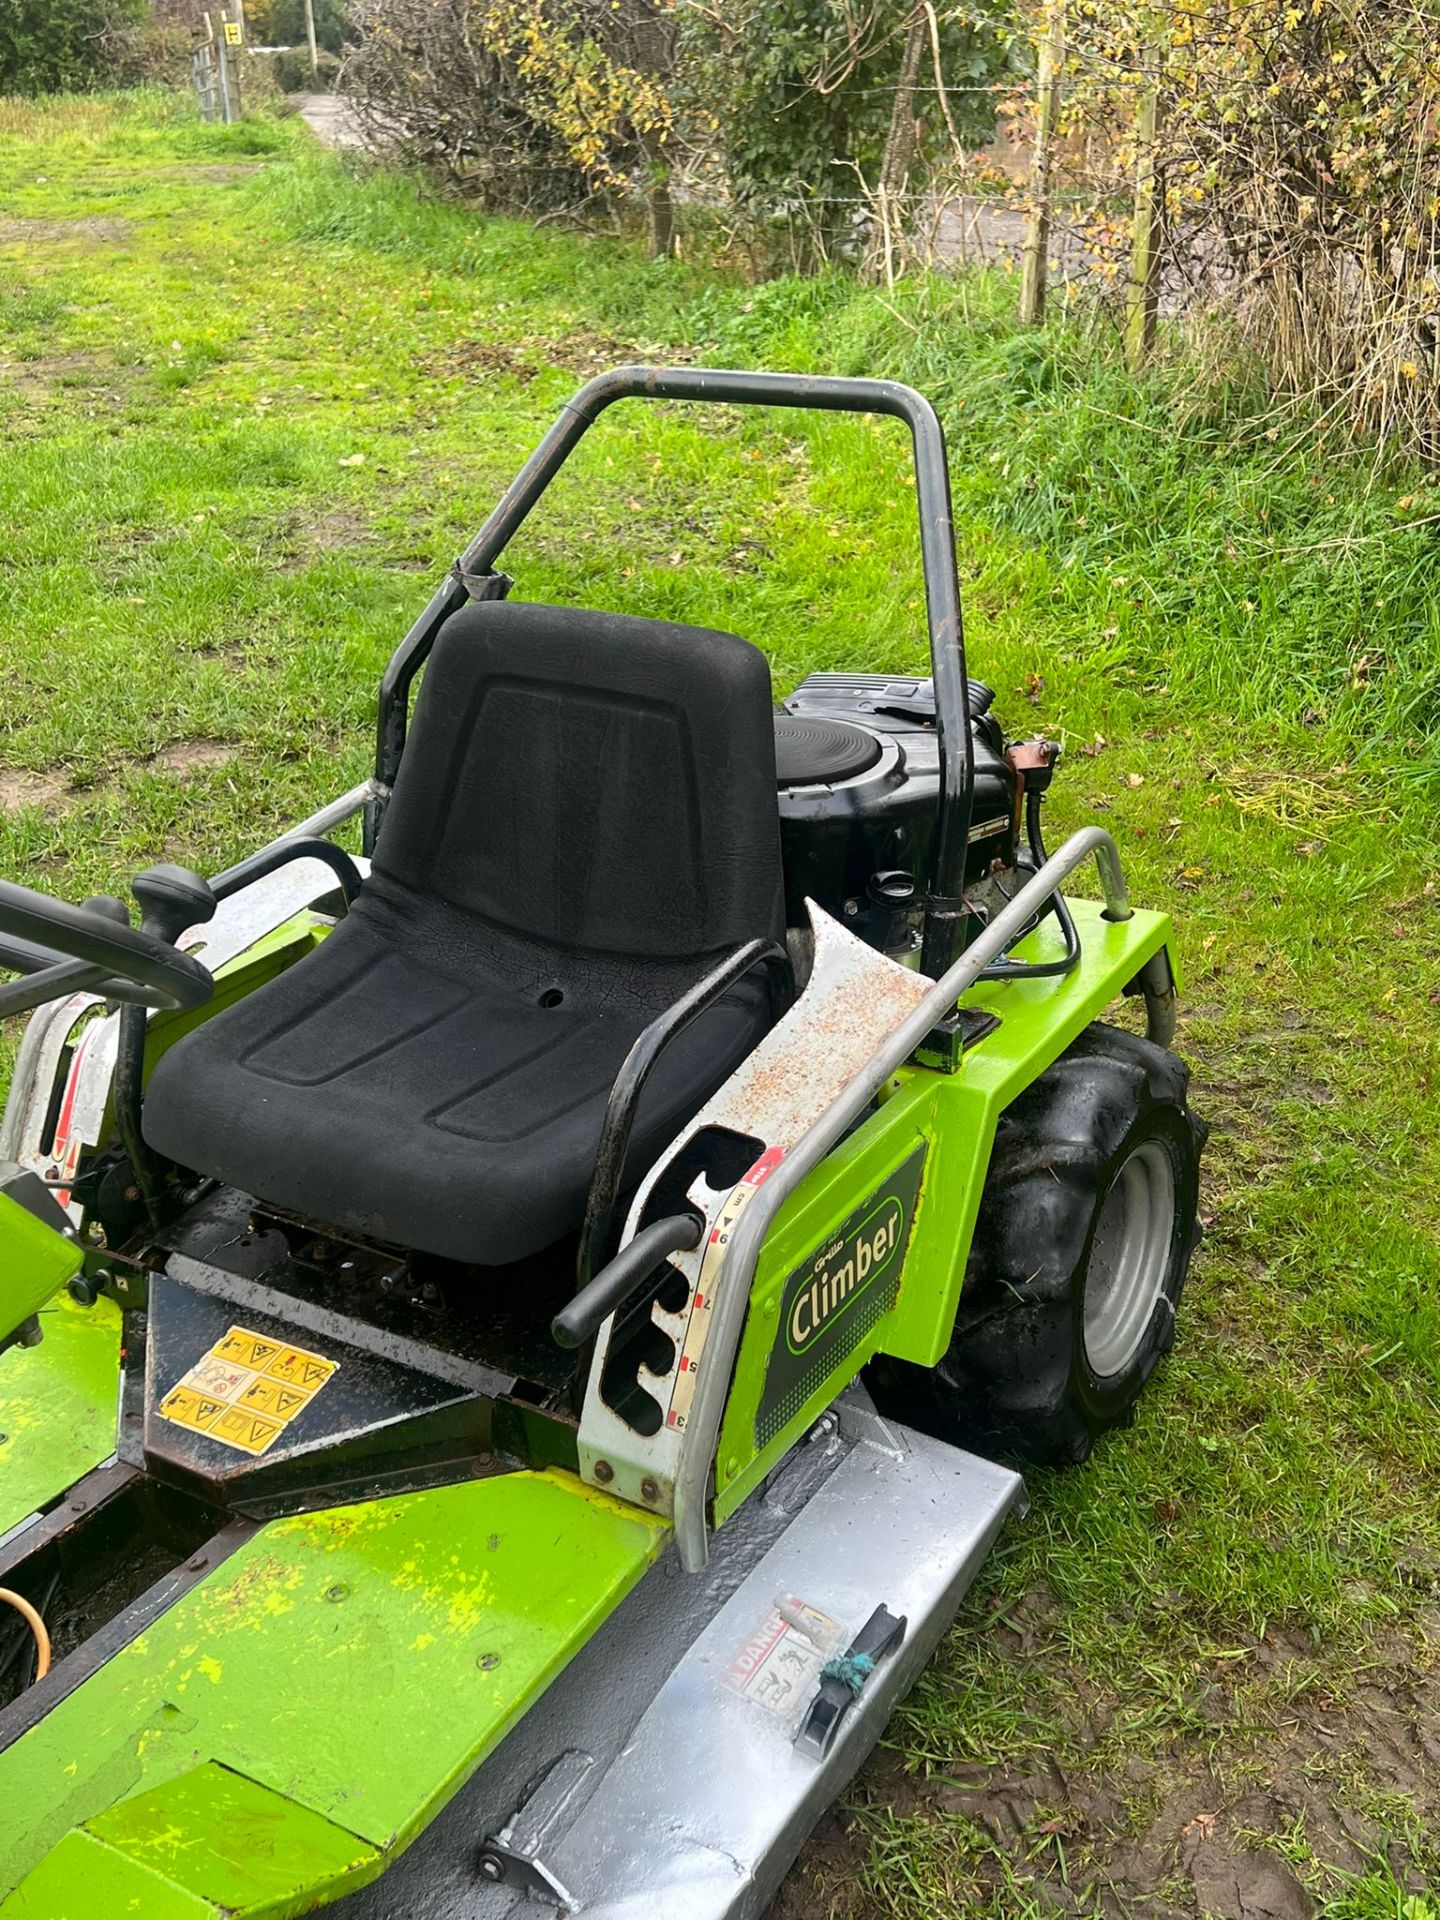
pixel 317 1516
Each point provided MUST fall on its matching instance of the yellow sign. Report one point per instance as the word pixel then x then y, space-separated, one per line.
pixel 247 1389
pixel 232 33
pixel 245 1349
pixel 188 1408
pixel 247 1430
pixel 268 1396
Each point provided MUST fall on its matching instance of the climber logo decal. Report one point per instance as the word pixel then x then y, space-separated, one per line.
pixel 842 1272
pixel 830 1300
pixel 247 1389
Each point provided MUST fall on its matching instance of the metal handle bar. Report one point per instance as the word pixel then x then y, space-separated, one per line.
pixel 279 854
pixel 731 1290
pixel 639 1259
pixel 944 924
pixel 635 1070
pixel 53 932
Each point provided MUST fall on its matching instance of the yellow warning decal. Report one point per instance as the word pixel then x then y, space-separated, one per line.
pixel 187 1408
pixel 244 1349
pixel 240 1429
pixel 247 1389
pixel 268 1396
pixel 300 1369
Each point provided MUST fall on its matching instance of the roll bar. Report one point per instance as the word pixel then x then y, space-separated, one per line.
pixel 474 577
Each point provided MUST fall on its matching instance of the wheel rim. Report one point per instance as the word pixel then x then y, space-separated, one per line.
pixel 1129 1259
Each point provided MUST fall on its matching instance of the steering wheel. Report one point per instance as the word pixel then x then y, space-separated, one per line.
pixel 91 949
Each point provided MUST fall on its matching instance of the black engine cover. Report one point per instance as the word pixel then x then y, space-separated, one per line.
pixel 858 763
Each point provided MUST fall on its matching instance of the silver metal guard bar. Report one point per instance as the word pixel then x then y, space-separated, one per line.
pixel 732 1293
pixel 333 814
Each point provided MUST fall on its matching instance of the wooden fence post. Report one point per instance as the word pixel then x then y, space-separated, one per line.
pixel 1142 293
pixel 222 58
pixel 1035 255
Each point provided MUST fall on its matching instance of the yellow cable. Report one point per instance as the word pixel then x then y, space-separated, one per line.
pixel 36 1625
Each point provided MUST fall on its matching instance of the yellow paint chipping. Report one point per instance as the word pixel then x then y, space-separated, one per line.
pixel 247 1389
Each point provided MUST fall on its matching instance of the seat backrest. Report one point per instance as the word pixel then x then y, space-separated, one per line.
pixel 590 779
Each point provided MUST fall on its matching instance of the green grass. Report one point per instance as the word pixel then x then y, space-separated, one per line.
pixel 252 405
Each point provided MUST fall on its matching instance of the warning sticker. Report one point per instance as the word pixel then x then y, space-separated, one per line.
pixel 247 1389
pixel 245 1349
pixel 240 1429
pixel 269 1396
pixel 778 1666
pixel 188 1408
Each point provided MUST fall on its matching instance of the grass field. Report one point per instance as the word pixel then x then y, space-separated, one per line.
pixel 252 405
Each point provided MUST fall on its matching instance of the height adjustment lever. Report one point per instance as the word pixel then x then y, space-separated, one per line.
pixel 641 1259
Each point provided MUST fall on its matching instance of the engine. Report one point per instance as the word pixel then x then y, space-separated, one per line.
pixel 858 765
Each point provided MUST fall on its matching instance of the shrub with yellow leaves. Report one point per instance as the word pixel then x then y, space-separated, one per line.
pixel 529 105
pixel 1299 149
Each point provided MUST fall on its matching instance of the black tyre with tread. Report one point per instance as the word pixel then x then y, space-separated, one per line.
pixel 1017 1380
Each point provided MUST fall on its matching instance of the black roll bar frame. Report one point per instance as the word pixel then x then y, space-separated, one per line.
pixel 474 577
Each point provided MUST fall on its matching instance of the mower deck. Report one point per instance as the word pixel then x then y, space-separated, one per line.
pixel 290 1676
pixel 661 1776
pixel 260 1772
pixel 57 1413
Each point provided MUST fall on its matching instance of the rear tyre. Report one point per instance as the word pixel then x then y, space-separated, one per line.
pixel 1086 1226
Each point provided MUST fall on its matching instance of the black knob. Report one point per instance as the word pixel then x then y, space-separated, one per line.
pixel 109 906
pixel 982 698
pixel 172 899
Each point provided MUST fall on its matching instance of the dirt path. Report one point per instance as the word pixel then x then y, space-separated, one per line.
pixel 330 117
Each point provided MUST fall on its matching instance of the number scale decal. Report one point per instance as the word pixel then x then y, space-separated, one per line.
pixel 692 1347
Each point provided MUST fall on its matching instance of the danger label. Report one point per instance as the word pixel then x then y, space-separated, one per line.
pixel 778 1666
pixel 247 1389
pixel 245 1349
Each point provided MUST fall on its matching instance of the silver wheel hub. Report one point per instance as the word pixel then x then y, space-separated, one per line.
pixel 1129 1258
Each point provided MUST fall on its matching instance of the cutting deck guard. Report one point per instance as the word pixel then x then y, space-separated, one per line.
pixel 298 1717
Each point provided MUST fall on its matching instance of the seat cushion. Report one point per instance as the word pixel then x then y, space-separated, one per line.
pixel 368 1090
pixel 584 822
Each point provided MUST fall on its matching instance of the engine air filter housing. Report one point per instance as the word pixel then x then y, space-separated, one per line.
pixel 810 750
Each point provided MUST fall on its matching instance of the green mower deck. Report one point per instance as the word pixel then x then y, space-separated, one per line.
pixel 286 1685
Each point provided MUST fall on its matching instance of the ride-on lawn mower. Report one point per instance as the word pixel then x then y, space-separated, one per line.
pixel 490 1311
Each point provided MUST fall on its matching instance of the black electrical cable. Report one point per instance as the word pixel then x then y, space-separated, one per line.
pixel 1041 969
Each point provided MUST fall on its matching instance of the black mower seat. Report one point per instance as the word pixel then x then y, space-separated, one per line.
pixel 584 823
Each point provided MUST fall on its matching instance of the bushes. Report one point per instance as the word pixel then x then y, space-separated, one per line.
pixel 283 22
pixel 806 102
pixel 1301 166
pixel 782 110
pixel 1309 152
pixel 293 75
pixel 430 88
pixel 59 46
